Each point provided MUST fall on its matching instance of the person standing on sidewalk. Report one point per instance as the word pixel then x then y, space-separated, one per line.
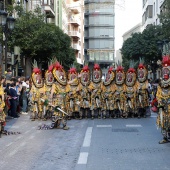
pixel 13 100
pixel 24 100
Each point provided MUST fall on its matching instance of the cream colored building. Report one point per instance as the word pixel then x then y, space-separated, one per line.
pixel 76 27
pixel 68 15
pixel 136 29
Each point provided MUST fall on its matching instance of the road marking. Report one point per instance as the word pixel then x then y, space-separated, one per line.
pixel 133 125
pixel 19 137
pixel 27 131
pixel 102 126
pixel 9 144
pixel 31 137
pixel 87 138
pixel 23 144
pixel 83 158
pixel 13 152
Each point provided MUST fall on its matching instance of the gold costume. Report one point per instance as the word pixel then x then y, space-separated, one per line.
pixel 108 89
pixel 72 97
pixel 163 98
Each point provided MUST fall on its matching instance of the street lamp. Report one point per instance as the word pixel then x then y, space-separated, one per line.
pixel 164 46
pixel 7 24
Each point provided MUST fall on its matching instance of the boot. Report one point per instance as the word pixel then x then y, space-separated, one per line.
pixel 92 114
pixel 165 140
pixel 65 127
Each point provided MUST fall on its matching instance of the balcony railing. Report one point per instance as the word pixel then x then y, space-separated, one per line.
pixel 74 34
pixel 76 46
pixel 49 7
pixel 74 21
pixel 75 7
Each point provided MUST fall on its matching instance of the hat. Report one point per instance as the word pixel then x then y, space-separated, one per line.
pixel 8 70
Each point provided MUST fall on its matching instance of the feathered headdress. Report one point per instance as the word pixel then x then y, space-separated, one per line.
pixel 131 66
pixel 119 67
pixel 96 66
pixel 36 70
pixel 166 61
pixel 141 63
pixel 86 68
pixel 51 64
pixel 110 69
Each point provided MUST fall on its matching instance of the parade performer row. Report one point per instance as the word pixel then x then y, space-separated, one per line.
pixel 119 95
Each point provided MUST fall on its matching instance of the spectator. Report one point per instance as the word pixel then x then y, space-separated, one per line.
pixel 18 90
pixel 8 76
pixel 13 100
pixel 23 82
pixel 24 100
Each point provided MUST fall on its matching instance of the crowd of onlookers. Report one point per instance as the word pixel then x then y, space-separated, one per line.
pixel 16 94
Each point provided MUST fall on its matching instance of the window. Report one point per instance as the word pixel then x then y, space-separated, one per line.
pixel 150 11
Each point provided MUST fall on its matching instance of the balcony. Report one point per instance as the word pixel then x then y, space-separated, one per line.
pixel 74 34
pixel 49 8
pixel 76 47
pixel 75 22
pixel 79 60
pixel 75 7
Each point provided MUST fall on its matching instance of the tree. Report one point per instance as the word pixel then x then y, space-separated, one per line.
pixel 39 40
pixel 142 45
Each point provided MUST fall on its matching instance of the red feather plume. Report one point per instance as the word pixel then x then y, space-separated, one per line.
pixel 96 67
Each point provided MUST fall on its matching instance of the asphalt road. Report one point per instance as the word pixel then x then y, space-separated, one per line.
pixel 99 144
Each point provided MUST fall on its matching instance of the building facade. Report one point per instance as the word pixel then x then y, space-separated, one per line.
pixel 99 32
pixel 150 12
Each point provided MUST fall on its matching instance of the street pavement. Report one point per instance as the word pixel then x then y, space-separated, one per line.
pixel 99 144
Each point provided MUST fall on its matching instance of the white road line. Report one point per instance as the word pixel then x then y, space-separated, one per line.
pixel 31 137
pixel 9 144
pixel 19 137
pixel 23 144
pixel 87 138
pixel 27 131
pixel 13 152
pixel 102 126
pixel 83 158
pixel 133 125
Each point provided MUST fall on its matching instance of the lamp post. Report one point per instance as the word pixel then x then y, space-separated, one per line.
pixel 164 46
pixel 7 24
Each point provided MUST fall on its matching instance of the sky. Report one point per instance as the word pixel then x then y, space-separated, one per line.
pixel 128 13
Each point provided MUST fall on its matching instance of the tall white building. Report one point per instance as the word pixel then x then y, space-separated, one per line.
pixel 150 11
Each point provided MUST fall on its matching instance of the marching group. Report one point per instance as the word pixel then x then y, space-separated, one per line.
pixel 121 95
pixel 61 96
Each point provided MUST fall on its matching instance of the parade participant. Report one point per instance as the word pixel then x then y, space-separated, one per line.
pixel 84 94
pixel 119 96
pixel 163 98
pixel 142 90
pixel 58 97
pixel 72 98
pixel 49 80
pixel 2 114
pixel 37 92
pixel 95 88
pixel 108 90
pixel 130 91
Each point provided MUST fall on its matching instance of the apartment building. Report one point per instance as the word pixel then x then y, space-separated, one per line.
pixel 68 15
pixel 76 28
pixel 136 29
pixel 99 31
pixel 151 9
